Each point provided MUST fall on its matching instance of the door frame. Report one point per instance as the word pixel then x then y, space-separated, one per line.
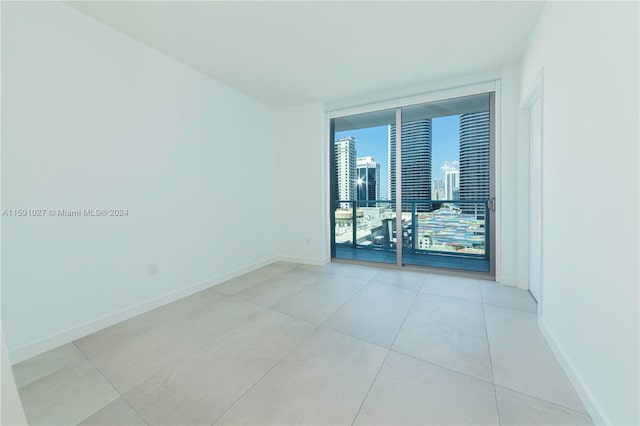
pixel 534 93
pixel 491 86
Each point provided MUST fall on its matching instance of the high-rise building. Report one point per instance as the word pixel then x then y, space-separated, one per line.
pixel 416 161
pixel 475 163
pixel 451 185
pixel 368 180
pixel 345 160
pixel 437 189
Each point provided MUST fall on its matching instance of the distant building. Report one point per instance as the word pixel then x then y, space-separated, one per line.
pixel 451 185
pixel 345 160
pixel 437 190
pixel 367 180
pixel 416 161
pixel 474 158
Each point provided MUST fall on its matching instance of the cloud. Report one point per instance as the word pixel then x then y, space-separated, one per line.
pixel 449 166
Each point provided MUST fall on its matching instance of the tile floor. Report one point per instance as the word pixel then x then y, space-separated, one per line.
pixel 286 344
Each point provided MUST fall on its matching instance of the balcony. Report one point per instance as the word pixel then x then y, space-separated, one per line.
pixel 451 234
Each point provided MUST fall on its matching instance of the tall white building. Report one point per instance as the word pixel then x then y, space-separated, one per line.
pixel 345 152
pixel 451 185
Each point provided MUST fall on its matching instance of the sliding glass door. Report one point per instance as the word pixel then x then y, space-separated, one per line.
pixel 363 213
pixel 414 185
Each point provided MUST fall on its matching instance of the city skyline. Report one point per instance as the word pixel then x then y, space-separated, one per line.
pixel 374 142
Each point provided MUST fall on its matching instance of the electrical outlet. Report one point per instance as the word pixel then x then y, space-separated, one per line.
pixel 153 269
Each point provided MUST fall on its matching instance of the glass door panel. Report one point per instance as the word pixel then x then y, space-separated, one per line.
pixel 446 181
pixel 363 210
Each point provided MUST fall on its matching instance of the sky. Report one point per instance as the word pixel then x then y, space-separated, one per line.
pixel 445 147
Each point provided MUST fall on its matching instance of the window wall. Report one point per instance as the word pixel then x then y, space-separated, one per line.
pixel 413 185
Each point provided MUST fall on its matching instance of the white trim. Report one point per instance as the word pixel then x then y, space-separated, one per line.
pixel 534 93
pixel 472 89
pixel 430 87
pixel 497 173
pixel 594 408
pixel 69 335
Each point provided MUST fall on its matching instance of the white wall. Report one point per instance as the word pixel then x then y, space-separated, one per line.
pixel 589 52
pixel 93 119
pixel 301 184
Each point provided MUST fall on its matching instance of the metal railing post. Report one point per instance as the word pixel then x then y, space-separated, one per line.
pixel 414 220
pixel 354 225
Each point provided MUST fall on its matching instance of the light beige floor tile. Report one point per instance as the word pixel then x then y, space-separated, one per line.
pixel 374 314
pixel 359 272
pixel 405 279
pixel 327 268
pixel 134 360
pixel 508 297
pixel 155 318
pixel 275 268
pixel 412 392
pixel 243 282
pixel 67 396
pixel 201 387
pixel 118 413
pixel 42 365
pixel 523 361
pixel 323 381
pixel 459 287
pixel 517 409
pixel 272 290
pixel 449 332
pixel 316 302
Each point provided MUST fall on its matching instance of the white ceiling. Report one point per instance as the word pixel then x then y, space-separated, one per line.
pixel 288 53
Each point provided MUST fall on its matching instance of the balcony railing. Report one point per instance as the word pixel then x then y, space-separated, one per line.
pixel 437 227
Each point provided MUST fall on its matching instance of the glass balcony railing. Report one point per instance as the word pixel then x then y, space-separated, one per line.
pixel 446 228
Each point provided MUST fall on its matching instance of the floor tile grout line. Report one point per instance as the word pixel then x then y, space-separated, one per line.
pixel 373 382
pixel 263 279
pixel 366 284
pixel 290 295
pixel 510 308
pixel 450 297
pixel 435 364
pixel 415 298
pixel 21 387
pixel 303 340
pixel 493 379
pixel 120 395
pixel 187 355
pixel 321 325
pixel 543 400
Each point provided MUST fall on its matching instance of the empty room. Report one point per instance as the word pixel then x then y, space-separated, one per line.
pixel 320 213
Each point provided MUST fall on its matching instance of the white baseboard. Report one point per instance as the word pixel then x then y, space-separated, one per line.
pixel 589 400
pixel 69 335
pixel 303 260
